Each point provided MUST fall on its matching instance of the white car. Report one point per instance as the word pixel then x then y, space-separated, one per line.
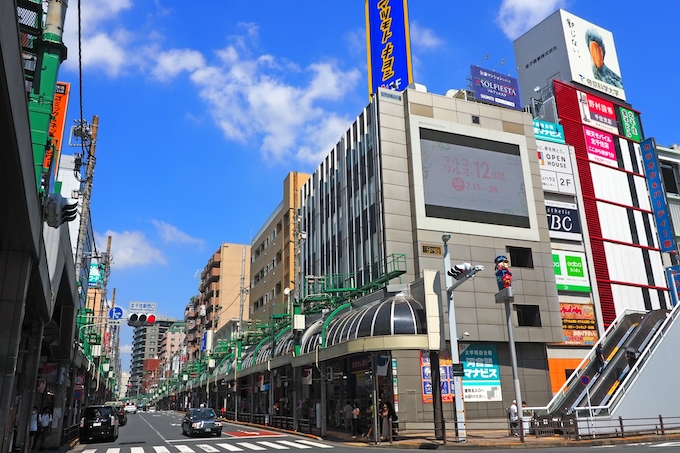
pixel 152 409
pixel 131 408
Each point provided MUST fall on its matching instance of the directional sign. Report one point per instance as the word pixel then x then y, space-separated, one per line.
pixel 116 313
pixel 146 307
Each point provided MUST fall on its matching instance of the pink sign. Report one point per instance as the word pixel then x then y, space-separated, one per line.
pixel 600 146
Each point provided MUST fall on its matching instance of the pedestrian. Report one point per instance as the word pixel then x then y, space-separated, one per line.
pixel 356 413
pixel 631 358
pixel 384 422
pixel 392 414
pixel 599 358
pixel 347 414
pixel 45 420
pixel 514 419
pixel 33 428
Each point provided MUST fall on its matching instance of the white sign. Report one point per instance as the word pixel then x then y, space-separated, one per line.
pixel 555 163
pixel 146 307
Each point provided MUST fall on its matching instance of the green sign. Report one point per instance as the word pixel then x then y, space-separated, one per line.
pixel 631 124
pixel 570 271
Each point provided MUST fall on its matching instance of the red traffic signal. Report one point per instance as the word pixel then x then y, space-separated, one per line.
pixel 141 319
pixel 150 319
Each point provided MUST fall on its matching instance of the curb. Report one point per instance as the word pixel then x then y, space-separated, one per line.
pixel 273 428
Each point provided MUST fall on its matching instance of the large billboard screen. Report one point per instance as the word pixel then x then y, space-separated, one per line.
pixel 495 88
pixel 473 179
pixel 592 56
pixel 389 47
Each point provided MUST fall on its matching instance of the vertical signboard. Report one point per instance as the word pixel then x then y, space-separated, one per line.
pixel 630 124
pixel 57 124
pixel 445 376
pixel 495 88
pixel 673 278
pixel 389 47
pixel 592 55
pixel 482 373
pixel 658 196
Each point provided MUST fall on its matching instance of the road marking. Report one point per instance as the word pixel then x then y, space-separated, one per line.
pixel 293 444
pixel 89 450
pixel 230 447
pixel 208 448
pixel 184 449
pixel 665 444
pixel 136 450
pixel 251 446
pixel 113 450
pixel 161 449
pixel 273 445
pixel 313 444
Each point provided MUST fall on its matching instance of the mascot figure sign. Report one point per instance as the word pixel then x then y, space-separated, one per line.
pixel 503 274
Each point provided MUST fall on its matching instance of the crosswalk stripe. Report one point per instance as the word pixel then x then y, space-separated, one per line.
pixel 160 449
pixel 251 446
pixel 89 450
pixel 273 445
pixel 208 448
pixel 113 450
pixel 135 450
pixel 230 447
pixel 293 444
pixel 313 444
pixel 184 449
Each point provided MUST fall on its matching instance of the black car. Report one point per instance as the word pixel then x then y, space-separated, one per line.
pixel 122 416
pixel 99 422
pixel 201 421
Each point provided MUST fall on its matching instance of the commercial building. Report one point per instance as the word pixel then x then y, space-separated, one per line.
pixel 146 347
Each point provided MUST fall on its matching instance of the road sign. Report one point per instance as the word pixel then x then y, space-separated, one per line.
pixel 143 307
pixel 585 379
pixel 116 313
pixel 80 379
pixel 77 394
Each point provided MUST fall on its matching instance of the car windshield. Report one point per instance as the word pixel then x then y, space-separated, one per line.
pixel 98 412
pixel 202 414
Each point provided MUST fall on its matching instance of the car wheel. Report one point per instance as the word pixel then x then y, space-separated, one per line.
pixel 219 433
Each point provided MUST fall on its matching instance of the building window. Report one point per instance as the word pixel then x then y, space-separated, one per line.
pixel 528 315
pixel 669 173
pixel 520 256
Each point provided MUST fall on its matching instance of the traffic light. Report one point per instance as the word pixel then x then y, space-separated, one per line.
pixel 141 319
pixel 59 210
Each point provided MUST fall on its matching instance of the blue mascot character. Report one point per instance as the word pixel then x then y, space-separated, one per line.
pixel 503 274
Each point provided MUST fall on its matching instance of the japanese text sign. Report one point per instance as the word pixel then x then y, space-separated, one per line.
pixel 657 194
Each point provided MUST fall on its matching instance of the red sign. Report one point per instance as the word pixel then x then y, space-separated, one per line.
pixel 77 394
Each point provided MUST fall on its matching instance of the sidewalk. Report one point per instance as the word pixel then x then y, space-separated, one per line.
pixel 476 440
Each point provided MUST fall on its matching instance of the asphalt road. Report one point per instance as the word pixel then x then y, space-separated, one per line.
pixel 161 432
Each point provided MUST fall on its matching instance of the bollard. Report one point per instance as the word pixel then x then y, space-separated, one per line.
pixel 623 434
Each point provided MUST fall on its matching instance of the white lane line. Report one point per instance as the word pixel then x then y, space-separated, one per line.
pixel 312 443
pixel 207 448
pixel 665 444
pixel 230 447
pixel 184 449
pixel 251 446
pixel 160 449
pixel 136 450
pixel 273 445
pixel 113 450
pixel 293 444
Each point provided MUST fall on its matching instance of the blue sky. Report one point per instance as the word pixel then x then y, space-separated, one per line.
pixel 204 107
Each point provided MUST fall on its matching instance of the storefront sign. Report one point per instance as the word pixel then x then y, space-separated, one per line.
pixel 445 376
pixel 658 195
pixel 578 324
pixel 359 363
pixel 673 278
pixel 482 373
pixel 570 271
pixel 600 147
pixel 556 170
pixel 630 124
pixel 597 112
pixel 563 220
pixel 549 132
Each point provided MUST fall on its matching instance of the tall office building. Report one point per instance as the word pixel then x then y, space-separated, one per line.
pixel 146 343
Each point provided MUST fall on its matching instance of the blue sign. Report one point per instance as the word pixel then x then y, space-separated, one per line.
pixel 495 88
pixel 658 196
pixel 204 340
pixel 482 378
pixel 389 46
pixel 116 313
pixel 549 132
pixel 673 278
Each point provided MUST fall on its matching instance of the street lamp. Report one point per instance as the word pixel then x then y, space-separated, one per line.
pixel 460 273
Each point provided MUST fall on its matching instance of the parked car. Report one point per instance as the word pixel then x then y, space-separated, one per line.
pixel 201 421
pixel 131 408
pixel 99 422
pixel 122 416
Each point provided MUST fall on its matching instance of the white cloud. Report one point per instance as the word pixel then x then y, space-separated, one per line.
pixel 172 62
pixel 170 233
pixel 130 249
pixel 424 38
pixel 517 16
pixel 126 349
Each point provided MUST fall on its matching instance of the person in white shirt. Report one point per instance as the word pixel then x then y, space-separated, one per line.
pixel 33 428
pixel 45 420
pixel 514 418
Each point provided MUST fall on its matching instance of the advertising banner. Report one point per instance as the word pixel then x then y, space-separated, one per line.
pixel 482 373
pixel 630 124
pixel 556 171
pixel 673 278
pixel 570 271
pixel 495 88
pixel 597 112
pixel 592 55
pixel 563 220
pixel 549 132
pixel 445 376
pixel 57 124
pixel 657 193
pixel 96 277
pixel 578 324
pixel 600 147
pixel 389 47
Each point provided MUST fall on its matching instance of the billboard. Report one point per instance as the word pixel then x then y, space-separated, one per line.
pixel 549 132
pixel 600 147
pixel 570 271
pixel 495 88
pixel 597 112
pixel 554 161
pixel 563 220
pixel 482 373
pixel 389 47
pixel 630 124
pixel 56 130
pixel 657 193
pixel 96 276
pixel 445 376
pixel 592 55
pixel 578 324
pixel 473 179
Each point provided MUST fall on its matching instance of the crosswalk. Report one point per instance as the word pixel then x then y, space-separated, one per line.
pixel 251 445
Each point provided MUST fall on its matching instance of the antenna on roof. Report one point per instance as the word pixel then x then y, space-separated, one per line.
pixel 486 57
